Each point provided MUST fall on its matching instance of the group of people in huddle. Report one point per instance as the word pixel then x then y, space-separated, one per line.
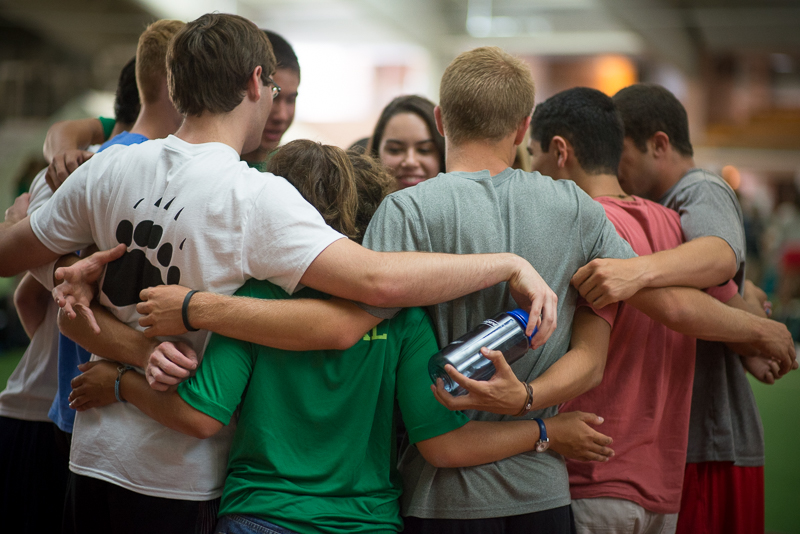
pixel 247 325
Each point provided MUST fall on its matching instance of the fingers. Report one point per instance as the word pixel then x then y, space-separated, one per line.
pixel 87 314
pixel 582 274
pixel 107 256
pixel 547 323
pixel 445 399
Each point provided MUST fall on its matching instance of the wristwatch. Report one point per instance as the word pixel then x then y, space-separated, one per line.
pixel 544 443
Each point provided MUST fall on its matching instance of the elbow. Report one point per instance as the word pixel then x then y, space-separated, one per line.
pixel 202 429
pixel 383 290
pixel 345 339
pixel 442 459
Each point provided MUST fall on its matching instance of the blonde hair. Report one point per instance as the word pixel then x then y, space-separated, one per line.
pixel 151 58
pixel 485 94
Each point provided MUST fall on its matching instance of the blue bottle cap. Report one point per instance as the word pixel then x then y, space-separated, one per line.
pixel 522 318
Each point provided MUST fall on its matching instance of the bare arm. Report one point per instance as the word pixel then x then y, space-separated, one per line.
pixel 116 340
pixel 694 313
pixel 290 324
pixel 389 279
pixel 95 388
pixel 70 135
pixel 578 371
pixel 65 147
pixel 31 300
pixel 20 249
pixel 482 442
pixel 700 263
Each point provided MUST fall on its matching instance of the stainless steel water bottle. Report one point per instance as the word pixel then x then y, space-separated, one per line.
pixel 504 332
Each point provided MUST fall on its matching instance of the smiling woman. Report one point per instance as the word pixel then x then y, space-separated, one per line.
pixel 406 141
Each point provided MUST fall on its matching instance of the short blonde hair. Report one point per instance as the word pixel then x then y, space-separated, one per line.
pixel 151 58
pixel 485 94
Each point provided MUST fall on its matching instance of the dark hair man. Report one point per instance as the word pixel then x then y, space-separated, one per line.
pixel 726 442
pixel 287 77
pixel 165 206
pixel 647 384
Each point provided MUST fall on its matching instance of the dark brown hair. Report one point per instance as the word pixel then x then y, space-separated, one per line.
pixel 419 106
pixel 345 187
pixel 647 108
pixel 210 61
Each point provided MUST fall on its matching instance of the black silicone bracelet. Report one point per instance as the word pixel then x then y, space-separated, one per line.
pixel 185 311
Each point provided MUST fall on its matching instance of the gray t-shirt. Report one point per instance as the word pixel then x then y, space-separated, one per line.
pixel 558 229
pixel 725 425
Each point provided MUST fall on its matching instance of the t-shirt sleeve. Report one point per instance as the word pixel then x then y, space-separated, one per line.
pixel 725 292
pixel 220 382
pixel 392 228
pixel 599 238
pixel 423 415
pixel 221 379
pixel 63 223
pixel 607 313
pixel 108 126
pixel 283 234
pixel 708 208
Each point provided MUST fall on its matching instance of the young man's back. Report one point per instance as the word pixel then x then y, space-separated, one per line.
pixel 188 213
pixel 558 228
pixel 646 390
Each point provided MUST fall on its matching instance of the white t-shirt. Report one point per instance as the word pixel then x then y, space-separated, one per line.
pixel 191 214
pixel 33 384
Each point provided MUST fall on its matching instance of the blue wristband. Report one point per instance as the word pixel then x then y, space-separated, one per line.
pixel 542 430
pixel 121 370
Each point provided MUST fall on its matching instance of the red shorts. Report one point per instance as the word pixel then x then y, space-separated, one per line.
pixel 720 498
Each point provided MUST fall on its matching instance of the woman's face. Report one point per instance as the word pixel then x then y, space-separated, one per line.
pixel 408 150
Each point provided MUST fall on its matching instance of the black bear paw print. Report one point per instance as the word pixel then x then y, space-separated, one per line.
pixel 128 275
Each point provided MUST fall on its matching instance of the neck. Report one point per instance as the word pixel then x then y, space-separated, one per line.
pixel 256 156
pixel 473 156
pixel 679 166
pixel 224 128
pixel 599 185
pixel 157 120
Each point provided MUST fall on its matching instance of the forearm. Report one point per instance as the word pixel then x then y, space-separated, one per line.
pixel 700 263
pixel 116 341
pixel 694 313
pixel 167 407
pixel 581 368
pixel 71 135
pixel 31 300
pixel 290 324
pixel 480 442
pixel 20 249
pixel 389 279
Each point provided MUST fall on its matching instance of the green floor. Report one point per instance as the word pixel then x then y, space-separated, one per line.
pixel 779 405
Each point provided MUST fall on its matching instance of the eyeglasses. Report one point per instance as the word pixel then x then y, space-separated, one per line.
pixel 276 90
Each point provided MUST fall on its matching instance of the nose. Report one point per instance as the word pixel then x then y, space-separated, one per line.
pixel 410 157
pixel 280 111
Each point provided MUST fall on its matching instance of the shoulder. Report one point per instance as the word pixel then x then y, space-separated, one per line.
pixel 701 181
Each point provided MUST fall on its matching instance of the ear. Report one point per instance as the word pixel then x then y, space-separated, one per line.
pixel 660 144
pixel 437 115
pixel 254 86
pixel 522 129
pixel 561 148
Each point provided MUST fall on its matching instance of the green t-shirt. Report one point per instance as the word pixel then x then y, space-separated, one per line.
pixel 314 450
pixel 261 166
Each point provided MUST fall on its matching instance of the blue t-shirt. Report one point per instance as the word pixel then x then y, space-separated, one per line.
pixel 70 354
